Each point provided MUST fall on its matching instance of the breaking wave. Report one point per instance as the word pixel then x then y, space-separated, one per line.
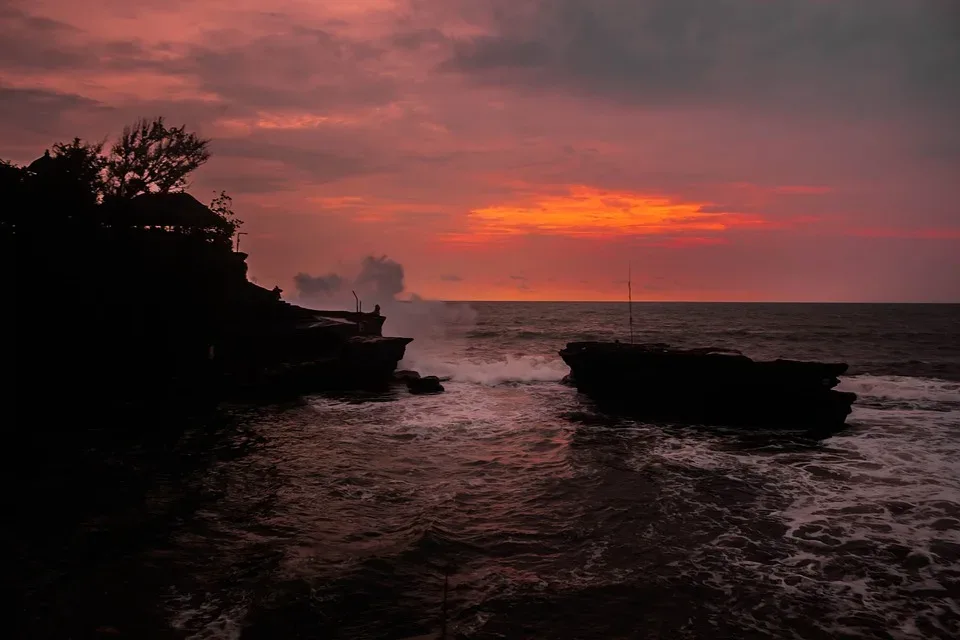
pixel 904 392
pixel 510 369
pixel 903 388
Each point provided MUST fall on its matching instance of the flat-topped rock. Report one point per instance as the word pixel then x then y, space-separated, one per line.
pixel 708 385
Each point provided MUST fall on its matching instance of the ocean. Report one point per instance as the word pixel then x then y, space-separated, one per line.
pixel 508 507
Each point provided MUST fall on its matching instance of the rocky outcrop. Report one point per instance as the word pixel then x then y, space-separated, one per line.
pixel 427 384
pixel 151 306
pixel 360 363
pixel 405 376
pixel 302 350
pixel 418 384
pixel 710 386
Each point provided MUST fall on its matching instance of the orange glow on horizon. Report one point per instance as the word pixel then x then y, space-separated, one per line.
pixel 588 212
pixel 566 293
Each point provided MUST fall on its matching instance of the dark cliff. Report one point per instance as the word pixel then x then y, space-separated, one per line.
pixel 144 302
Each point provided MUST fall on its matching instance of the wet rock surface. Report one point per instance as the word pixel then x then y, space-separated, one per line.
pixel 428 384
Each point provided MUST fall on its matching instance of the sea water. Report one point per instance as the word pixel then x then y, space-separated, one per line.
pixel 346 516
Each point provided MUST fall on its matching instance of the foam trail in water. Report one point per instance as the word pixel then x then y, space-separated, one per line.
pixel 870 514
pixel 903 393
pixel 511 369
pixel 206 620
pixel 902 388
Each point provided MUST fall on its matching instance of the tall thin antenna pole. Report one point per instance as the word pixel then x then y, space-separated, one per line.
pixel 630 299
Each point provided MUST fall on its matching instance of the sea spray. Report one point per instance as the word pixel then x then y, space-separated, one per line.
pixel 510 369
pixel 903 392
pixel 427 320
pixel 902 388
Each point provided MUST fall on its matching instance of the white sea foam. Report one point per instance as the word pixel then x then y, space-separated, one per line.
pixel 206 620
pixel 902 388
pixel 868 514
pixel 510 369
pixel 426 320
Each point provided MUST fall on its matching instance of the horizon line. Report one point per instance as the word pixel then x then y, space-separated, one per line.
pixel 625 301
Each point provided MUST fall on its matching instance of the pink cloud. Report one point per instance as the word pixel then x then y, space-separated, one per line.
pixel 383 126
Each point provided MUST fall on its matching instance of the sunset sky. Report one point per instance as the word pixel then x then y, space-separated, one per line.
pixel 532 149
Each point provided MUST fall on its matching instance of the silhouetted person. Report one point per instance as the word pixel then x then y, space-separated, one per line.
pixel 376 309
pixel 277 291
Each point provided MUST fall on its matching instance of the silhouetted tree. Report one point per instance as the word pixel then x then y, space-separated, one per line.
pixel 222 205
pixel 150 157
pixel 77 183
pixel 62 187
pixel 80 165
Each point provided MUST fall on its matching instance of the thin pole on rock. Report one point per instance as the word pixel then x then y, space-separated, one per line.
pixel 359 307
pixel 630 300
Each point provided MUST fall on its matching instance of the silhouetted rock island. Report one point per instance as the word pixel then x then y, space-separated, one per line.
pixel 708 386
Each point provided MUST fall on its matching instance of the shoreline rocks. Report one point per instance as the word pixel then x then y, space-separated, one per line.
pixel 417 384
pixel 427 384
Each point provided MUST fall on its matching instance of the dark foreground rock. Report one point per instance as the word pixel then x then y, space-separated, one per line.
pixel 708 386
pixel 405 375
pixel 155 315
pixel 362 362
pixel 153 308
pixel 428 384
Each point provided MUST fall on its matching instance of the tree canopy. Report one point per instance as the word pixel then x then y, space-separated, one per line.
pixel 72 180
pixel 150 157
pixel 79 163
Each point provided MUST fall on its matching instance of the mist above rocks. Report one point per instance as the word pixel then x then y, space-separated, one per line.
pixel 380 281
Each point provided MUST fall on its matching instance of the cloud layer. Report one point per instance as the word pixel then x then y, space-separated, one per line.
pixel 800 149
pixel 790 54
